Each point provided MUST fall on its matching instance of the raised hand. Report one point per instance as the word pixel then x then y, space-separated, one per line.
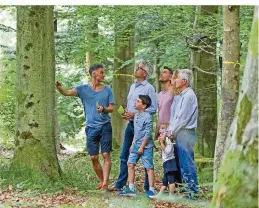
pixel 58 84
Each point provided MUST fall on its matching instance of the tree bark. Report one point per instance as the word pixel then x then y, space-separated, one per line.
pixel 237 184
pixel 92 34
pixel 156 65
pixel 205 67
pixel 124 51
pixel 230 80
pixel 35 125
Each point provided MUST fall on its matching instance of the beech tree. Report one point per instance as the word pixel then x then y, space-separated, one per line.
pixel 237 183
pixel 35 125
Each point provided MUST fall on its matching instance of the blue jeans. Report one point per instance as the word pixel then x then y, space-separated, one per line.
pixel 185 141
pixel 124 156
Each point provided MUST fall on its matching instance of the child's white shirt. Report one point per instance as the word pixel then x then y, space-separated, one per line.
pixel 168 153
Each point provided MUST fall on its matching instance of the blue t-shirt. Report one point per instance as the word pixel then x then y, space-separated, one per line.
pixel 89 98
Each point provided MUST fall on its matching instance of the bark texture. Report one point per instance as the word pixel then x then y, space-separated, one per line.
pixel 230 80
pixel 205 68
pixel 237 184
pixel 35 119
pixel 124 51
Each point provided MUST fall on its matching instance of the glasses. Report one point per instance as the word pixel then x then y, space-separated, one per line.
pixel 141 69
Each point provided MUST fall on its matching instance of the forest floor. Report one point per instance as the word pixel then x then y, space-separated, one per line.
pixel 76 194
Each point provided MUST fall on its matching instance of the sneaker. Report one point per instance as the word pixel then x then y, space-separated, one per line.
pixel 150 194
pixel 127 191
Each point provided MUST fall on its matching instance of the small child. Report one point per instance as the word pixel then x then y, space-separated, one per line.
pixel 142 147
pixel 168 157
pixel 162 130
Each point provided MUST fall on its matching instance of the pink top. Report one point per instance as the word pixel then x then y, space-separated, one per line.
pixel 164 102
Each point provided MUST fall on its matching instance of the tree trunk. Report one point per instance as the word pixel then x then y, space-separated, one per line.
pixel 35 137
pixel 205 67
pixel 124 51
pixel 56 126
pixel 156 65
pixel 230 80
pixel 237 184
pixel 92 34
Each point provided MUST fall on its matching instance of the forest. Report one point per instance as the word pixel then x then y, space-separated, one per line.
pixel 44 160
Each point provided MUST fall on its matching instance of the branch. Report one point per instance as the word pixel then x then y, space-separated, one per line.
pixel 6 28
pixel 206 72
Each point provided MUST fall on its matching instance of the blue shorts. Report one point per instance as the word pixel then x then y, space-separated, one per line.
pixel 146 158
pixel 97 136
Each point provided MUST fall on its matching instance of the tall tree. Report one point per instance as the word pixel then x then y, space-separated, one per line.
pixel 205 67
pixel 35 137
pixel 230 80
pixel 237 184
pixel 123 67
pixel 91 37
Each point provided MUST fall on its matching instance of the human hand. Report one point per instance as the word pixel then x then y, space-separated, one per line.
pixel 127 115
pixel 58 85
pixel 140 151
pixel 171 136
pixel 161 138
pixel 100 109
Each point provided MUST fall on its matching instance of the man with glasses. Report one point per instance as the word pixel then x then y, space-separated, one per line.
pixel 140 87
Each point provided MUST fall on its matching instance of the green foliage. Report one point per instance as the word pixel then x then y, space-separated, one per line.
pixel 254 39
pixel 7 101
pixel 70 110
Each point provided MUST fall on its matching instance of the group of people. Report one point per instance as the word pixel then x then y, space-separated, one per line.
pixel 177 110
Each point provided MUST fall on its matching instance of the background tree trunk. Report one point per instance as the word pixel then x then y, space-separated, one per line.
pixel 205 67
pixel 92 34
pixel 230 81
pixel 156 65
pixel 35 125
pixel 124 51
pixel 237 184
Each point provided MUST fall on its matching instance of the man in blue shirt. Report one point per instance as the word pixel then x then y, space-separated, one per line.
pixel 98 102
pixel 141 86
pixel 183 122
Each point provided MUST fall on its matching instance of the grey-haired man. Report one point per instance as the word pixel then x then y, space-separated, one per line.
pixel 141 86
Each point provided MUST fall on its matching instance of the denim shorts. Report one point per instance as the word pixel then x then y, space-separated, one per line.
pixel 146 158
pixel 96 136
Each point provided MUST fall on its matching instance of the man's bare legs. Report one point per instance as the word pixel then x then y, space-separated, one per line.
pixel 98 169
pixel 102 173
pixel 106 169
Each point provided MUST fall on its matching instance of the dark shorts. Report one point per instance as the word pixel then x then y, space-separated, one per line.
pixel 170 169
pixel 97 136
pixel 169 165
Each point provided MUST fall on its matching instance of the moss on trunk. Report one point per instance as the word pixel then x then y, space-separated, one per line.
pixel 230 79
pixel 35 125
pixel 237 183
